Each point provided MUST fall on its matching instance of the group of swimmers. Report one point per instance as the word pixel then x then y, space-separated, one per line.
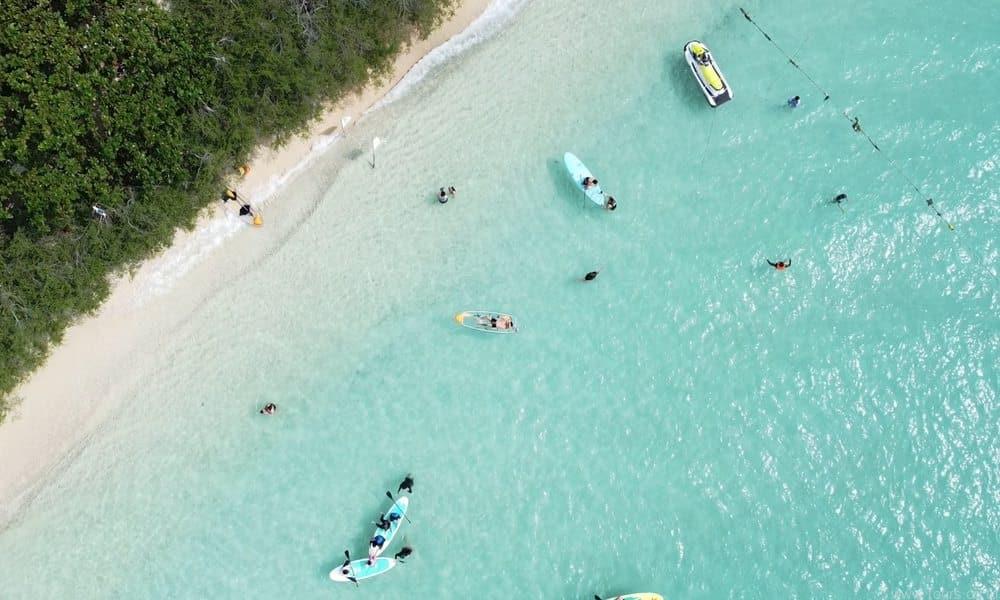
pixel 781 265
pixel 446 194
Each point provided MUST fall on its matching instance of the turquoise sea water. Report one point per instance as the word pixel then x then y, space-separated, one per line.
pixel 692 422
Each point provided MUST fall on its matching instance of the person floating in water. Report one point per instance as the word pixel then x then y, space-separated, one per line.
pixel 452 192
pixel 246 210
pixel 856 125
pixel 407 484
pixel 591 276
pixel 611 203
pixel 403 553
pixel 442 196
pixel 269 409
pixel 839 198
pixel 781 265
pixel 793 102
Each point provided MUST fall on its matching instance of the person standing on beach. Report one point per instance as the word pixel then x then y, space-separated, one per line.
pixel 781 265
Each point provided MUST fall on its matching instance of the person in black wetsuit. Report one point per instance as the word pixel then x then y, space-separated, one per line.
pixel 591 276
pixel 406 485
pixel 781 265
pixel 404 552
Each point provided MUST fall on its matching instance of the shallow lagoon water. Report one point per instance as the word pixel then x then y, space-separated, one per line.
pixel 691 422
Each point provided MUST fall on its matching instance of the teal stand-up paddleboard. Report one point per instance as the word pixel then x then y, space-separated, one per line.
pixel 398 509
pixel 359 569
pixel 578 172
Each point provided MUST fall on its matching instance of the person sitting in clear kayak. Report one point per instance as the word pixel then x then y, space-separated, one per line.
pixel 503 322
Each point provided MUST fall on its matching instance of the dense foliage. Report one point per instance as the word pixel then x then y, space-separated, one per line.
pixel 140 109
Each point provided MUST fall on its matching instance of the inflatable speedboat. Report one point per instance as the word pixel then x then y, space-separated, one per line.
pixel 709 77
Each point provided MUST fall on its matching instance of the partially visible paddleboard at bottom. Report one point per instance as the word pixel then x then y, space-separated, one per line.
pixel 360 569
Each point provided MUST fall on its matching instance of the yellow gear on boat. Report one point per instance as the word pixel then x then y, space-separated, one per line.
pixel 711 77
pixel 697 49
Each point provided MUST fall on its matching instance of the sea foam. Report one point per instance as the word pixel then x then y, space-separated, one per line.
pixel 166 269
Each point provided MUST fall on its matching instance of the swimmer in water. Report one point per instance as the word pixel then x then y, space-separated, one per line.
pixel 269 409
pixel 781 265
pixel 591 276
pixel 407 484
pixel 404 552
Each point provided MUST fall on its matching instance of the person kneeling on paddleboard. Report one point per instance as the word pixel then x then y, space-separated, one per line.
pixel 383 523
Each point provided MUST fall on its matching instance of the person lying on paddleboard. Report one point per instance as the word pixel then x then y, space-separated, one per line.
pixel 406 485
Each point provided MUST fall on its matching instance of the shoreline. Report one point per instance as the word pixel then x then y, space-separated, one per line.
pixel 64 402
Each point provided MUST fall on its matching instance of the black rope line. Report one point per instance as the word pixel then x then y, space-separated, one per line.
pixel 855 124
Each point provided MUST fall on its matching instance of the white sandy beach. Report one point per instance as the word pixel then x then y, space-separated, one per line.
pixel 67 399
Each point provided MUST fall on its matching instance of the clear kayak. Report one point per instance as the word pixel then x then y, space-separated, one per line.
pixel 356 570
pixel 579 172
pixel 709 77
pixel 491 322
pixel 399 509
